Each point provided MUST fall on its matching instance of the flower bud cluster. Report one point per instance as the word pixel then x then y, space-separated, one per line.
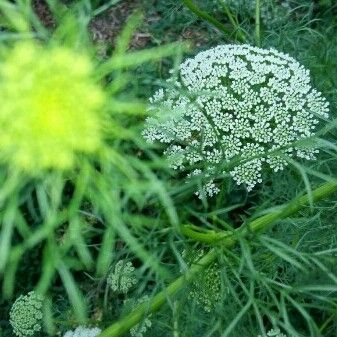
pixel 274 333
pixel 206 289
pixel 122 278
pixel 140 329
pixel 26 314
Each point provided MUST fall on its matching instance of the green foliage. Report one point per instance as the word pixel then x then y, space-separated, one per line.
pixel 267 258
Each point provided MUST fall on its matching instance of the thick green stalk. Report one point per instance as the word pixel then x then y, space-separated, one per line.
pixel 262 223
pixel 205 236
pixel 210 19
pixel 294 206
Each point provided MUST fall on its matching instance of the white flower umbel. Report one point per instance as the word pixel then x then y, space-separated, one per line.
pixel 235 109
pixel 82 331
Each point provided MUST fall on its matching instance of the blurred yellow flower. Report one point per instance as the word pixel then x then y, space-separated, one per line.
pixel 51 107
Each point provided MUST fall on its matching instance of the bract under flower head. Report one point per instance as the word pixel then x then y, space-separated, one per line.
pixel 50 107
pixel 239 106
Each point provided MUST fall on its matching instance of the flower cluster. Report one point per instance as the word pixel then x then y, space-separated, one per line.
pixel 141 328
pixel 274 333
pixel 82 331
pixel 122 278
pixel 206 288
pixel 26 314
pixel 234 109
pixel 50 107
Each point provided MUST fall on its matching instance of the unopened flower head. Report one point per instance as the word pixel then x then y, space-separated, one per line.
pixel 140 329
pixel 82 331
pixel 122 278
pixel 274 333
pixel 206 289
pixel 26 315
pixel 235 109
pixel 50 107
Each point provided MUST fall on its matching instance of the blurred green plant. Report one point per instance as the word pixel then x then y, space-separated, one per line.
pixel 56 104
pixel 67 169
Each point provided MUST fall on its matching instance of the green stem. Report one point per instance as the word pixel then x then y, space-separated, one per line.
pixel 258 23
pixel 261 223
pixel 204 236
pixel 175 315
pixel 210 19
pixel 326 323
pixel 294 206
pixel 234 22
pixel 257 225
